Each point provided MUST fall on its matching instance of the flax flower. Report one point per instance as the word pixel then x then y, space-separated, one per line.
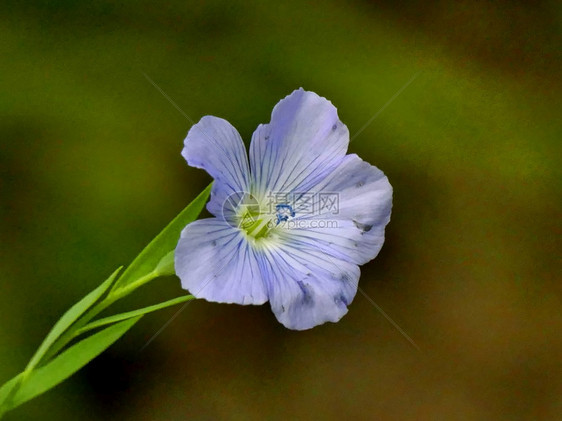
pixel 292 223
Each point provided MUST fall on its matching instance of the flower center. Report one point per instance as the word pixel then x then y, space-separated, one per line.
pixel 258 221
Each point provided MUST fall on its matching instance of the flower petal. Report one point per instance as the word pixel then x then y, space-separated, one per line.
pixel 307 288
pixel 351 209
pixel 215 262
pixel 304 142
pixel 214 145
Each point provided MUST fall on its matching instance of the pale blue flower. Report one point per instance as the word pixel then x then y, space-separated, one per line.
pixel 293 223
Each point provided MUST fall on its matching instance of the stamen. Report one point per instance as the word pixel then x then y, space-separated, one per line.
pixel 283 212
pixel 258 224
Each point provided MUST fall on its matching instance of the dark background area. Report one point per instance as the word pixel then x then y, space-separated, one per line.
pixel 90 171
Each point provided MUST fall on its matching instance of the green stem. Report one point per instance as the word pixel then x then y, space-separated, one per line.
pixel 119 293
pixel 124 316
pixel 66 337
pixel 74 330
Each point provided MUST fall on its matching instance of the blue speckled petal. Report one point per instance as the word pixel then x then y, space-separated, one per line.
pixel 303 143
pixel 307 288
pixel 214 145
pixel 215 262
pixel 352 228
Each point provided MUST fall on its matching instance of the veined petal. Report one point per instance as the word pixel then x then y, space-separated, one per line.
pixel 215 262
pixel 351 209
pixel 214 145
pixel 307 288
pixel 304 142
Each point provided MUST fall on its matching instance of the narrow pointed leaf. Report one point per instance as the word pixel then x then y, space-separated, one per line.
pixel 165 242
pixel 7 387
pixel 69 318
pixel 70 361
pixel 124 316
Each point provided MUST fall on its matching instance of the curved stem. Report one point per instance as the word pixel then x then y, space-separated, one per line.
pixel 73 331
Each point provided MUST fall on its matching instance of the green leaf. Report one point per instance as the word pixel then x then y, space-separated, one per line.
pixel 134 313
pixel 69 318
pixel 70 361
pixel 149 259
pixel 6 389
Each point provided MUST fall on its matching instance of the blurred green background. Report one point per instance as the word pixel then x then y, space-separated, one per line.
pixel 91 171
